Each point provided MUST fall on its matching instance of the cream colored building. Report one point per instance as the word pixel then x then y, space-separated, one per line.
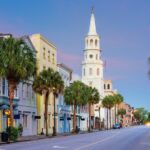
pixel 108 90
pixel 46 58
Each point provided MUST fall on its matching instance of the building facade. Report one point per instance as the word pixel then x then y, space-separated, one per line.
pixel 128 118
pixel 92 66
pixel 46 58
pixel 63 110
pixel 24 102
pixel 27 101
pixel 108 90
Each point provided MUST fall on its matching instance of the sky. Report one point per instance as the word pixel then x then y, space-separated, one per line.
pixel 123 26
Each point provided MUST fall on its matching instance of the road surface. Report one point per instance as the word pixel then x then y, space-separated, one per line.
pixel 132 138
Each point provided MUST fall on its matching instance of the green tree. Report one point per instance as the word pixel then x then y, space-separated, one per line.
pixel 148 118
pixel 93 97
pixel 143 114
pixel 17 63
pixel 74 95
pixel 48 81
pixel 108 103
pixel 118 98
pixel 121 112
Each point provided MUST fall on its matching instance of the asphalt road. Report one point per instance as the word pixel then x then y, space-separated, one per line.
pixel 133 138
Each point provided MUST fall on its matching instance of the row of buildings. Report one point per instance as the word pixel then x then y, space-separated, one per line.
pixel 29 107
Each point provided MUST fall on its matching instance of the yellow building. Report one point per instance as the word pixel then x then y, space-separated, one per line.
pixel 46 58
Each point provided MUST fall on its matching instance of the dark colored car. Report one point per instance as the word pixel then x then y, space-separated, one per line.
pixel 117 126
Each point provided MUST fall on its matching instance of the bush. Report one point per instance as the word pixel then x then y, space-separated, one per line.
pixel 12 133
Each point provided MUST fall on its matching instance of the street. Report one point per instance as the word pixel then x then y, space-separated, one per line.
pixel 132 138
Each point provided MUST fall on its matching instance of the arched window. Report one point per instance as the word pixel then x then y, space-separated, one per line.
pixel 91 42
pixel 97 72
pixel 104 86
pixel 95 43
pixel 90 71
pixel 108 86
pixel 96 56
pixel 87 43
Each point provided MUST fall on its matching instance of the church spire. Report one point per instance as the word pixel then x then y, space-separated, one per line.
pixel 92 28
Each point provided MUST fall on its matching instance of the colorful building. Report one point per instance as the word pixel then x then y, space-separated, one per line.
pixel 24 102
pixel 27 101
pixel 63 110
pixel 46 58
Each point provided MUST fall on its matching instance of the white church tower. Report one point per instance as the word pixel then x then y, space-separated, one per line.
pixel 92 65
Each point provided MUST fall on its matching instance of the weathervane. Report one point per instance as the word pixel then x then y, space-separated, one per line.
pixel 92 9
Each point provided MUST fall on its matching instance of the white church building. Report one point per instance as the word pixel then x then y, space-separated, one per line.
pixel 92 68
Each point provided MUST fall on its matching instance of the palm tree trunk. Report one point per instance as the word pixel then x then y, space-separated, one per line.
pixel 110 118
pixel 46 112
pixel 107 118
pixel 89 117
pixel 11 88
pixel 74 117
pixel 54 128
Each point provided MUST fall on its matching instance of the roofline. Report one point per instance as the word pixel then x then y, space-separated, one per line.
pixel 65 67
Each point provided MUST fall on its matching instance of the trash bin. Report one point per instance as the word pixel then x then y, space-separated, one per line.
pixel 4 137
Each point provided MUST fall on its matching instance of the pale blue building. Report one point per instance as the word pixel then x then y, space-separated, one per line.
pixel 64 111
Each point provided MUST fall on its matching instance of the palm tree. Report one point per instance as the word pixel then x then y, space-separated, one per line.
pixel 58 87
pixel 93 98
pixel 118 98
pixel 74 95
pixel 17 63
pixel 108 102
pixel 45 83
pixel 121 112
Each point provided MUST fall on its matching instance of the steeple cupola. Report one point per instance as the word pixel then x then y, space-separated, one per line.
pixel 92 39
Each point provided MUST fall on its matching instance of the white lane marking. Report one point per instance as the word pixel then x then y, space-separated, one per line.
pixel 58 147
pixel 102 140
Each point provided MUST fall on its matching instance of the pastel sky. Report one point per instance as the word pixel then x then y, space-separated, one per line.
pixel 123 25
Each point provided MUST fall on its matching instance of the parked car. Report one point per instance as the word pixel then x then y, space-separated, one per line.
pixel 117 126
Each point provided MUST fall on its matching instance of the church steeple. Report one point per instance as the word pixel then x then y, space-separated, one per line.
pixel 92 27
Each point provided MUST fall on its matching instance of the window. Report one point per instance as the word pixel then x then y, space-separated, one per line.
pixel 53 59
pixel 108 86
pixel 91 42
pixel 49 56
pixel 87 42
pixel 104 86
pixel 96 43
pixel 44 55
pixel 90 71
pixel 25 119
pixel 96 56
pixel 97 71
pixel 91 56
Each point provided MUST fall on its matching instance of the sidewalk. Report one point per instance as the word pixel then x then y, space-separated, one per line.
pixel 39 137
